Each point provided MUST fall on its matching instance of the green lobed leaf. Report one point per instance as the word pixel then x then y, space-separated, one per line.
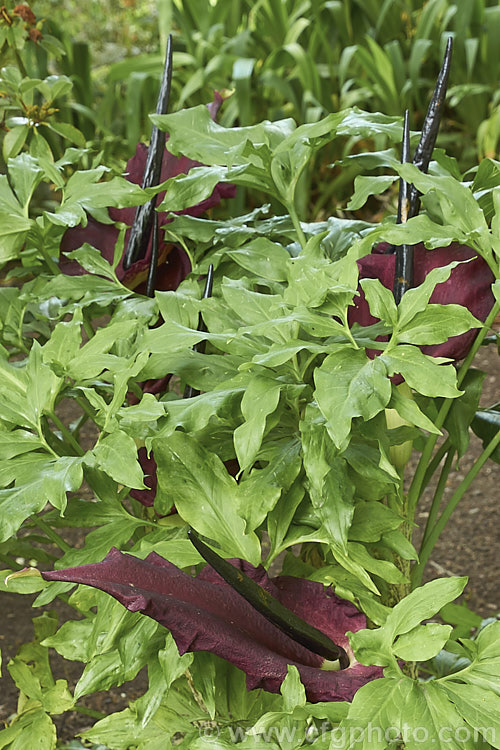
pixel 92 261
pixel 26 175
pixel 380 300
pixel 480 708
pixel 187 190
pixel 375 646
pixel 193 133
pixel 437 323
pixel 330 488
pixel 349 384
pixel 260 400
pixel 204 493
pixel 116 454
pixel 365 186
pixel 46 482
pixel 422 373
pixel 423 642
pixel 463 410
pixel 386 711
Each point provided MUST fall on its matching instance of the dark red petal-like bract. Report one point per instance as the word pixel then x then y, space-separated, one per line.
pixel 469 285
pixel 206 614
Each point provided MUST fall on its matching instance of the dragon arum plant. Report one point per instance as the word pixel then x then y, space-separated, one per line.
pixel 291 381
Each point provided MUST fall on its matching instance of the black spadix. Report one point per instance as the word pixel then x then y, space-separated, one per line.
pixel 403 269
pixel 142 226
pixel 409 197
pixel 296 628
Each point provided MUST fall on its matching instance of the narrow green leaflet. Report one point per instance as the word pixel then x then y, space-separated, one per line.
pixel 194 415
pixel 92 261
pixel 456 204
pixel 254 307
pixel 116 454
pixel 262 489
pixel 263 258
pixel 18 442
pixel 83 192
pixel 193 133
pixel 114 527
pixel 348 385
pixel 162 673
pixel 187 190
pixel 42 384
pixel 25 175
pixel 464 409
pixel 416 228
pixel 260 399
pixel 204 493
pixel 121 728
pixel 33 728
pixel 408 409
pixel 371 520
pixel 375 646
pixel 423 642
pixel 47 482
pixel 14 223
pixel 422 373
pixel 121 663
pixel 480 709
pixel 384 569
pixel 330 488
pixel 366 124
pixel 64 343
pixel 416 300
pixel 380 300
pixel 436 324
pixel 365 186
pixel 484 671
pixel 94 357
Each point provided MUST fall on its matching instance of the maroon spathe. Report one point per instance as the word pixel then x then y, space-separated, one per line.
pixel 173 263
pixel 469 285
pixel 206 614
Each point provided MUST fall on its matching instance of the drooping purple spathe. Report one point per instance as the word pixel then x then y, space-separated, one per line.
pixel 173 263
pixel 469 285
pixel 206 614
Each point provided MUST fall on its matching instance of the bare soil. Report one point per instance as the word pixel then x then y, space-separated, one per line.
pixel 468 546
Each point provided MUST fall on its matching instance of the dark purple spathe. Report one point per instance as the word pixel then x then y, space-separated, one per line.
pixel 173 264
pixel 469 285
pixel 206 614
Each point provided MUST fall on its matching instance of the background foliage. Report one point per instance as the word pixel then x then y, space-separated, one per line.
pixel 280 58
pixel 73 109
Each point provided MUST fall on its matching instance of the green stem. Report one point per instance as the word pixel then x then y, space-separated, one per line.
pixel 477 342
pixel 436 460
pixel 67 434
pixel 434 534
pixel 136 389
pixel 438 496
pixel 44 441
pixel 82 403
pixel 89 712
pixel 296 223
pixel 418 479
pixel 53 267
pixel 53 535
pixel 87 327
pixel 123 494
pixel 11 564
